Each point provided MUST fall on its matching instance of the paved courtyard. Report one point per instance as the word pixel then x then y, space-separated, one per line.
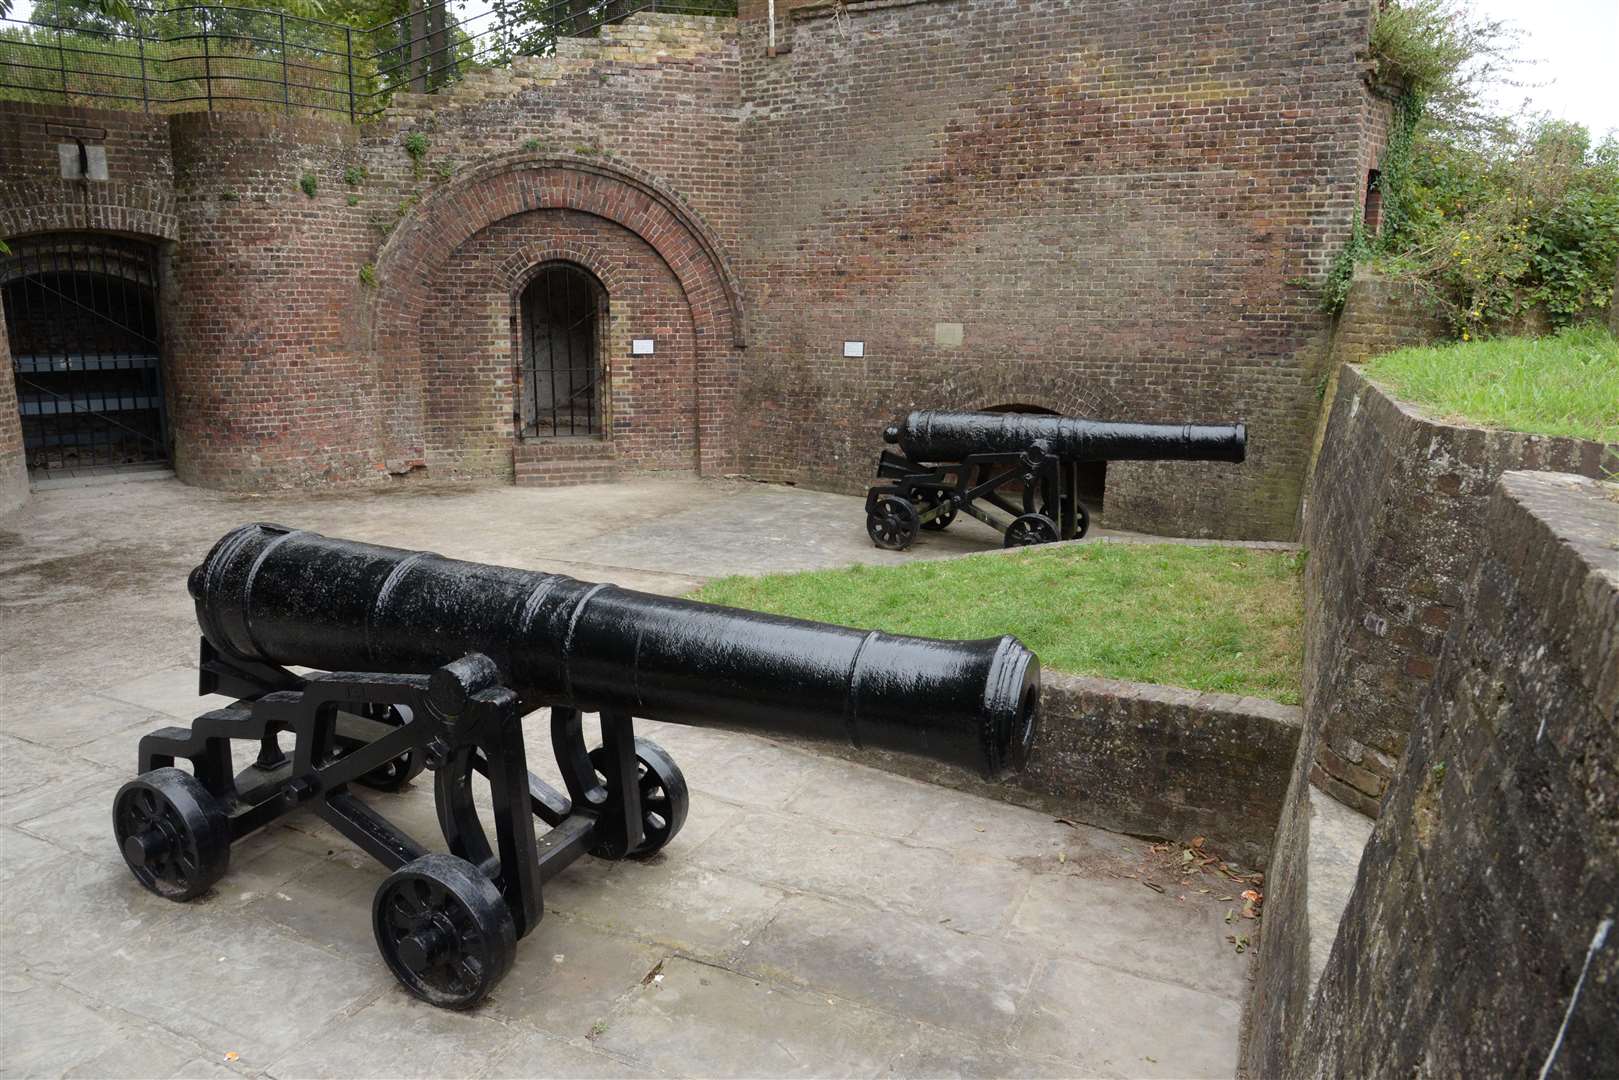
pixel 814 918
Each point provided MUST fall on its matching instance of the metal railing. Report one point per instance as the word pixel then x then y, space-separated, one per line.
pixel 185 58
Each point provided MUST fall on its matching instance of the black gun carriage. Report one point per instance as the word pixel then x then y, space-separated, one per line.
pixel 430 663
pixel 977 463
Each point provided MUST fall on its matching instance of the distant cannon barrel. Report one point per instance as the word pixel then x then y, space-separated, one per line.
pixel 951 436
pixel 285 597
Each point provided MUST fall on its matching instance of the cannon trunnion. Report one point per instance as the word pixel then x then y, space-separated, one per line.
pixel 967 462
pixel 431 663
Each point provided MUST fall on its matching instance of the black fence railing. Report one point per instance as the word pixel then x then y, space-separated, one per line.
pixel 188 58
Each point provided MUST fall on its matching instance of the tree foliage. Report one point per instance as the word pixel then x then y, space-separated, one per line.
pixel 1507 219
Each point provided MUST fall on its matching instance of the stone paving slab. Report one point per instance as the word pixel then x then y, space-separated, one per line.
pixel 814 918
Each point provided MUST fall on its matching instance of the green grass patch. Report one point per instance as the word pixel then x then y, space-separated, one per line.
pixel 1566 384
pixel 1208 618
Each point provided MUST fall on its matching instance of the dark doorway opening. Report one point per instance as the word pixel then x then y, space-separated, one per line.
pixel 563 313
pixel 82 322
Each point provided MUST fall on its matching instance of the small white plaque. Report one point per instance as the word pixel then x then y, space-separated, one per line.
pixel 854 348
pixel 641 346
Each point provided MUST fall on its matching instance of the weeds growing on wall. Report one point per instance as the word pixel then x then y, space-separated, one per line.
pixel 1509 221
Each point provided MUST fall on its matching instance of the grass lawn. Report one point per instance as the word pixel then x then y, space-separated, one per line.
pixel 1208 618
pixel 1566 384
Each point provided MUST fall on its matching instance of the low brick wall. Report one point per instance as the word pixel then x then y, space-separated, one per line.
pixel 1497 852
pixel 1392 527
pixel 1146 760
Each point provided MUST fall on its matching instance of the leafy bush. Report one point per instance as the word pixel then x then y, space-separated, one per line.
pixel 1509 221
pixel 1526 221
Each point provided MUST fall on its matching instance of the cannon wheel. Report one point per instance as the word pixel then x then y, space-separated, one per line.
pixel 173 833
pixel 1030 529
pixel 665 798
pixel 444 930
pixel 925 500
pixel 893 524
pixel 393 775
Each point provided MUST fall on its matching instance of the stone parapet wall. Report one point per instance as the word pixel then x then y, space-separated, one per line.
pixel 1392 527
pixel 1479 939
pixel 1147 760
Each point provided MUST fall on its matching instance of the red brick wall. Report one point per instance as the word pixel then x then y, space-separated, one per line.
pixel 1110 197
pixel 136 198
pixel 469 345
pixel 267 372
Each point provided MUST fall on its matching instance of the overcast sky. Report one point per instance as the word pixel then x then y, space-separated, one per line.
pixel 1575 48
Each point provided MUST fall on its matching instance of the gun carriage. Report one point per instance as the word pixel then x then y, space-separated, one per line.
pixel 976 463
pixel 431 663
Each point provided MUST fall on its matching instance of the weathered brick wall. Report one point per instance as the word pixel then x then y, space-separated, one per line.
pixel 636 129
pixel 1392 527
pixel 13 467
pixel 267 375
pixel 1108 201
pixel 1382 314
pixel 137 196
pixel 652 407
pixel 1109 198
pixel 1482 918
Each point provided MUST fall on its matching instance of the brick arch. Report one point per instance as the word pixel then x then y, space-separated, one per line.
pixel 519 269
pixel 110 207
pixel 1071 393
pixel 501 188
pixel 524 265
pixel 515 183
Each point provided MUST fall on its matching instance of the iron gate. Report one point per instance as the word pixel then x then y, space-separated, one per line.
pixel 561 324
pixel 82 322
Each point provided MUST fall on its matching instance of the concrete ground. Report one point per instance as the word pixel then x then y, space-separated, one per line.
pixel 814 918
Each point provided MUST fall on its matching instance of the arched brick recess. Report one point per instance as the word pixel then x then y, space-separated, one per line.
pixel 419 248
pixel 61 206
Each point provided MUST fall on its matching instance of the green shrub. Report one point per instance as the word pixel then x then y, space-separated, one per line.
pixel 354 175
pixel 1501 218
pixel 309 184
pixel 416 146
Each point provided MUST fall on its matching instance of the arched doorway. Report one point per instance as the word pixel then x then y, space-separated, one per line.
pixel 563 317
pixel 82 321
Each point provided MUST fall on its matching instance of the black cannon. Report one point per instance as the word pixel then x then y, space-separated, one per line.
pixel 427 662
pixel 976 463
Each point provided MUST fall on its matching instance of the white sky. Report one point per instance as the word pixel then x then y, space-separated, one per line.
pixel 1572 49
pixel 1573 46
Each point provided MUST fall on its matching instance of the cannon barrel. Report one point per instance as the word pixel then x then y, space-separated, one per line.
pixel 950 436
pixel 287 597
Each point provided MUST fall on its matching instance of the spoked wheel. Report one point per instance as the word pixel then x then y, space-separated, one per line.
pixel 395 774
pixel 173 833
pixel 1030 529
pixel 1082 521
pixel 664 797
pixel 444 930
pixel 927 500
pixel 893 523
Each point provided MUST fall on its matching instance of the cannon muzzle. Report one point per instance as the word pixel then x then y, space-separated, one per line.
pixel 285 597
pixel 951 436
